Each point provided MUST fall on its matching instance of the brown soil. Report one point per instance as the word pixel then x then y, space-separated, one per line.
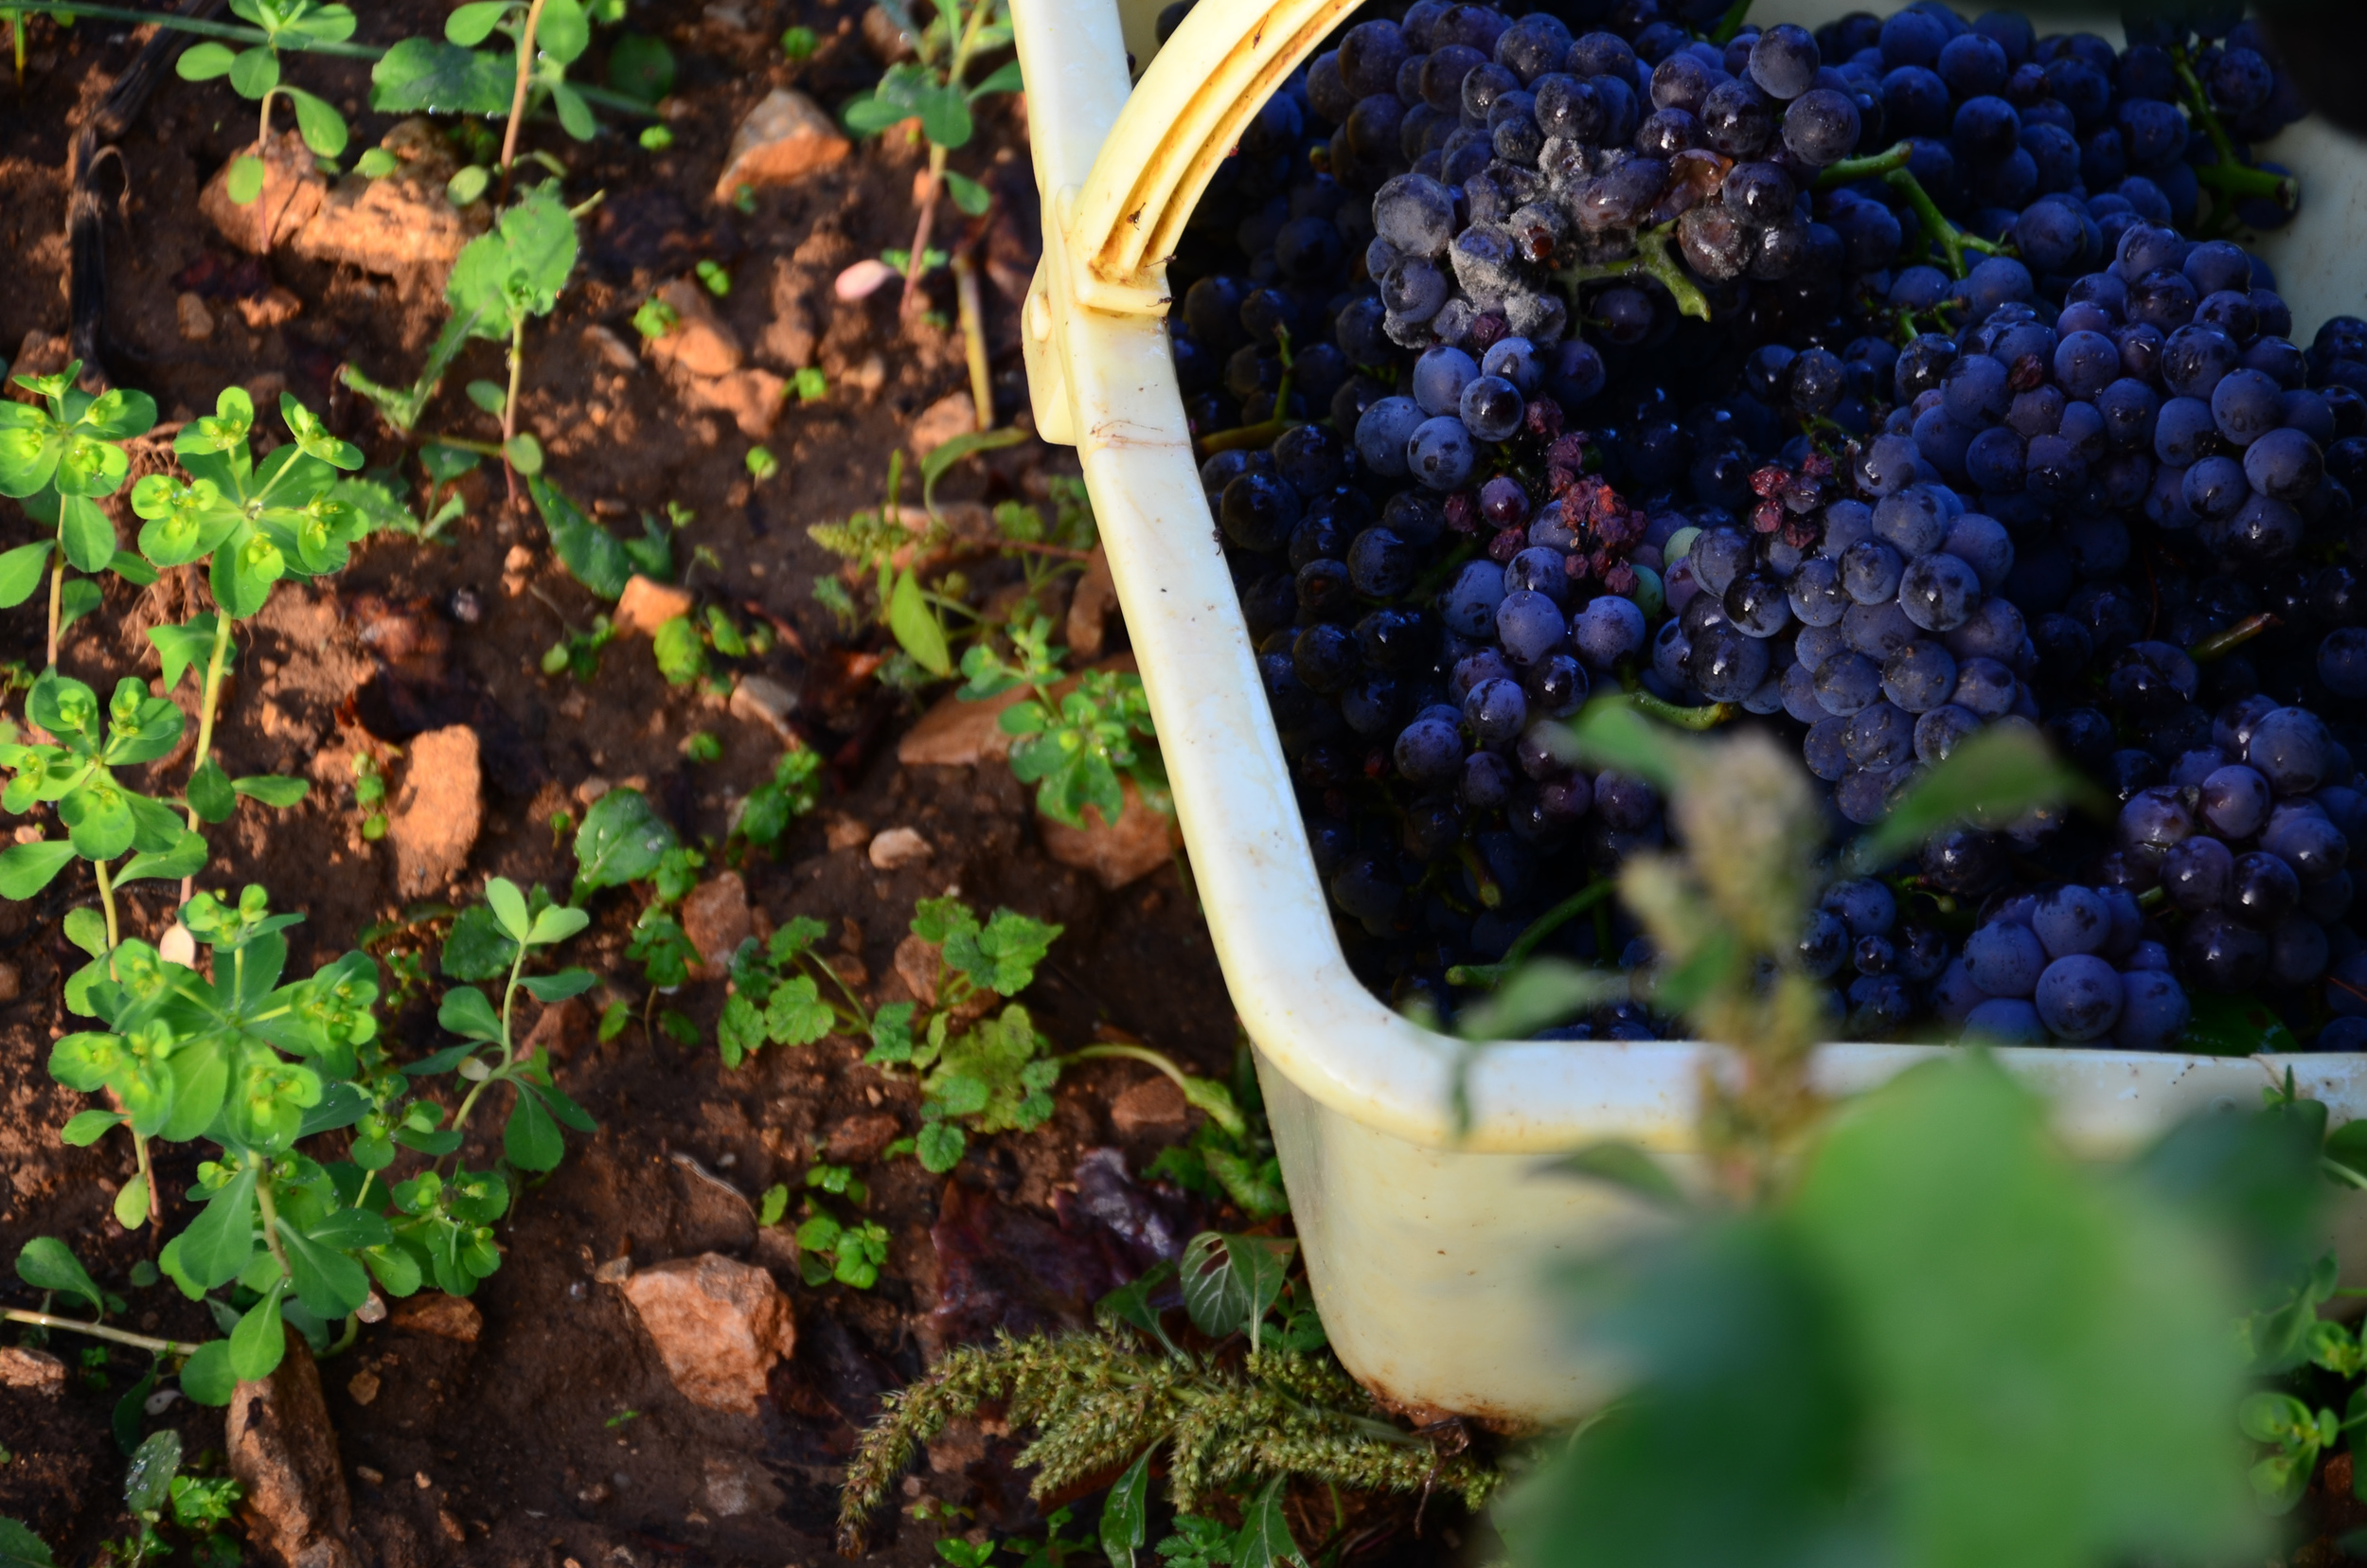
pixel 557 1437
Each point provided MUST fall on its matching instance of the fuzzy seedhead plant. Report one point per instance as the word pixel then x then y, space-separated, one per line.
pixel 1117 1398
pixel 254 74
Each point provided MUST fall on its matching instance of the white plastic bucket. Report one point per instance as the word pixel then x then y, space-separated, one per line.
pixel 1428 1255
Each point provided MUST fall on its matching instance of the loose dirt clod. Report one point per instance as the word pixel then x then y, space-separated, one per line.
pixel 718 1325
pixel 646 605
pixel 699 343
pixel 196 322
pixel 952 415
pixel 857 1140
pixel 759 700
pixel 449 1317
pixel 785 137
pixel 714 917
pixel 437 817
pixel 1154 1105
pixel 283 1452
pixel 35 1370
pixel 1142 840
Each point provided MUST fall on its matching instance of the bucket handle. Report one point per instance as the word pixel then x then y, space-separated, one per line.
pixel 1183 119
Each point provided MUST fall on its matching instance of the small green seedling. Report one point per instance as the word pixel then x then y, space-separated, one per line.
pixel 656 138
pixel 254 74
pixel 810 384
pixel 701 746
pixel 654 318
pixel 506 277
pixel 792 792
pixel 60 458
pixel 798 44
pixel 1074 747
pixel 762 465
pixel 716 280
pixel 455 77
pixel 934 88
pixel 369 793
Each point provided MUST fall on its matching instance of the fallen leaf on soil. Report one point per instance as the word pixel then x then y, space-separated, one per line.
pixel 449 1317
pixel 1154 1105
pixel 36 1370
pixel 438 812
pixel 645 605
pixel 1142 840
pixel 917 966
pixel 784 137
pixel 718 1325
pixel 857 1140
pixel 1089 606
pixel 714 917
pixel 760 699
pixel 952 415
pixel 897 847
pixel 283 1453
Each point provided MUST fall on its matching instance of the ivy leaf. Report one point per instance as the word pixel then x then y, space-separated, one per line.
pixel 796 1015
pixel 621 841
pixel 740 1032
pixel 1002 957
pixel 48 1264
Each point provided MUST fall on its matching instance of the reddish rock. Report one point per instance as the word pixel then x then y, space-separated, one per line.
pixel 445 1316
pixel 699 343
pixel 283 1454
pixel 715 917
pixel 646 605
pixel 564 1029
pixel 293 193
pixel 894 849
pixel 1142 840
pixel 36 1371
pixel 720 1326
pixel 1154 1105
pixel 784 137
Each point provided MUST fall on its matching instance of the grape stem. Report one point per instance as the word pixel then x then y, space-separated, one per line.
pixel 1708 717
pixel 2221 644
pixel 2230 177
pixel 1891 168
pixel 1488 975
pixel 1652 260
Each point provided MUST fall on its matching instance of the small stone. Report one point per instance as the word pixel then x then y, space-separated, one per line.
pixel 952 415
pixel 734 1487
pixel 1089 608
pixel 784 137
pixel 840 831
pixel 11 981
pixel 283 1452
pixel 613 350
pixel 897 847
pixel 699 343
pixel 362 1387
pixel 36 1370
pixel 857 1140
pixel 375 1477
pixel 1154 1105
pixel 871 375
pixel 449 1317
pixel 615 1271
pixel 863 279
pixel 645 605
pixel 293 193
pixel 1142 840
pixel 196 321
pixel 592 789
pixel 718 1325
pixel 917 966
pixel 714 917
pixel 400 223
pixel 760 699
pixel 788 340
pixel 752 397
pixel 277 305
pixel 439 812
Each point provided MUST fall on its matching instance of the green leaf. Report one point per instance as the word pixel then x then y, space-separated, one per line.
pixel 588 551
pixel 532 1139
pixel 1628 1167
pixel 187 857
pixel 180 647
pixel 253 73
pixel 467 184
pixel 260 1343
pixel 219 1241
pixel 681 657
pixel 271 788
pixel 87 929
pixel 21 571
pixel 2030 1332
pixel 509 906
pixel 130 568
pixel 80 596
pixel 917 628
pixel 518 269
pixel 1993 777
pixel 465 1012
pixel 88 1126
pixel 575 114
pixel 524 453
pixel 21 1548
pixel 621 841
pixel 564 31
pixel 1540 993
pixel 2220 1025
pixel 204 61
pixel 477 950
pixel 375 164
pixel 939 1146
pixel 473 23
pixel 1003 78
pixel 775 1204
pixel 641 67
pixel 558 987
pixel 1265 1538
pixel 969 195
pixel 941 459
pixel 26 868
pixel 148 1481
pixel 211 795
pixel 207 1377
pixel 48 1264
pixel 1126 1513
pixel 245 180
pixel 85 534
pixel 555 925
pixel 322 128
pixel 795 1014
pixel 488 394
pixel 1230 1282
pixel 421 74
pixel 328 1282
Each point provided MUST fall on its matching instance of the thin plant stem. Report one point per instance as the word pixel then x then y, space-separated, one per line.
pixel 16 31
pixel 1708 717
pixel 107 902
pixel 57 592
pixel 973 336
pixel 920 232
pixel 210 700
pixel 1543 926
pixel 270 1224
pixel 100 1330
pixel 518 103
pixel 147 1173
pixel 510 404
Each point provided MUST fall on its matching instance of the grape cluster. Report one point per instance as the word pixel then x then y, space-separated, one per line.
pixel 1869 384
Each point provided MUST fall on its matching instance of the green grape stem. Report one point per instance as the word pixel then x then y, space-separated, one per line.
pixel 1709 717
pixel 1652 260
pixel 1543 926
pixel 1889 166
